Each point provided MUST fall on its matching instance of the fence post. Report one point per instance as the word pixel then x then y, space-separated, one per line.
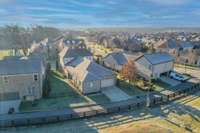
pixel 129 107
pixel 119 108
pixel 138 105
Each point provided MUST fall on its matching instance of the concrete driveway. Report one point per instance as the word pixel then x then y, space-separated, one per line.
pixel 115 94
pixel 169 81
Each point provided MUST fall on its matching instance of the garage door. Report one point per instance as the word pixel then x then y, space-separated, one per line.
pixel 107 83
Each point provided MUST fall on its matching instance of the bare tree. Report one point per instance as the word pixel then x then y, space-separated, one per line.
pixel 128 71
pixel 17 38
pixel 25 41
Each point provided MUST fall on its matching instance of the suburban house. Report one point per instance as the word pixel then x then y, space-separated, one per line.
pixel 186 46
pixel 72 53
pixel 73 42
pixel 39 47
pixel 173 47
pixel 115 60
pixel 169 46
pixel 88 76
pixel 198 62
pixel 152 66
pixel 189 57
pixel 21 79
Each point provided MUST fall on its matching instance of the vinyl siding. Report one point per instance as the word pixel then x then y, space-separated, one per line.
pixel 22 83
pixel 162 68
pixel 87 88
pixel 144 68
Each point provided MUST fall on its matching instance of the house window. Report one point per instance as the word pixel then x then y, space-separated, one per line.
pixel 30 90
pixel 6 79
pixel 35 77
pixel 91 84
pixel 150 67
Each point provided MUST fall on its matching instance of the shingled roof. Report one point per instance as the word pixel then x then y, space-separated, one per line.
pixel 157 58
pixel 89 70
pixel 119 57
pixel 20 65
pixel 77 52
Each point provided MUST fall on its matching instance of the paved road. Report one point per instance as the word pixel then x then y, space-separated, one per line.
pixel 115 94
pixel 169 81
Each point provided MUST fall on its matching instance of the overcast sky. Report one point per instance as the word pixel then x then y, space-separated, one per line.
pixel 101 13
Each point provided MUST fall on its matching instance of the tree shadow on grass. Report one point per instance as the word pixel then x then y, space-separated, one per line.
pixel 61 96
pixel 187 117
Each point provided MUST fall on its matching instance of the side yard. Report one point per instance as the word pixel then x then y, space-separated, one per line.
pixel 129 88
pixel 62 95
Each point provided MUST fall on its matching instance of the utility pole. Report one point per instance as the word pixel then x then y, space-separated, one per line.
pixel 185 66
pixel 148 93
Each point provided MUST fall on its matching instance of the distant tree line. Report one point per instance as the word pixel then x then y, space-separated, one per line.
pixel 16 37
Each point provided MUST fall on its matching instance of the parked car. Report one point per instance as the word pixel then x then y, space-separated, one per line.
pixel 177 76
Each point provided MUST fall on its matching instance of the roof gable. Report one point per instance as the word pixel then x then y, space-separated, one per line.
pixel 12 66
pixel 90 70
pixel 77 52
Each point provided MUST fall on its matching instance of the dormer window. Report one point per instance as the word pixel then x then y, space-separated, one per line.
pixel 6 79
pixel 35 77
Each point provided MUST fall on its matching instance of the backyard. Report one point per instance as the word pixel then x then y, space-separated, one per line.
pixel 176 117
pixel 130 88
pixel 62 95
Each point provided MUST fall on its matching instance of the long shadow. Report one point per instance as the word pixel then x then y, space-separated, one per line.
pixel 105 121
pixel 75 126
pixel 178 107
pixel 61 96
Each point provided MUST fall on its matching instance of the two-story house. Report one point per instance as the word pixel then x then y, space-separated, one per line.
pixel 152 66
pixel 69 54
pixel 88 76
pixel 21 78
pixel 115 60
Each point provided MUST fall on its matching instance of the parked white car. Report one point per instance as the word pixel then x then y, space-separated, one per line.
pixel 177 76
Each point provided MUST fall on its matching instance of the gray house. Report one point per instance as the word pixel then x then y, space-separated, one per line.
pixel 152 66
pixel 69 54
pixel 21 78
pixel 115 60
pixel 88 76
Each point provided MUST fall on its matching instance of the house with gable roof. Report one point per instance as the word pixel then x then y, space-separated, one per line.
pixel 152 66
pixel 88 76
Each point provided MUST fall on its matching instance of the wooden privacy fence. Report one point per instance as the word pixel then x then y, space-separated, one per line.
pixel 44 117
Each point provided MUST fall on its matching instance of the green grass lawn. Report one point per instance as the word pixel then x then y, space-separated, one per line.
pixel 4 53
pixel 99 98
pixel 130 88
pixel 62 95
pixel 160 86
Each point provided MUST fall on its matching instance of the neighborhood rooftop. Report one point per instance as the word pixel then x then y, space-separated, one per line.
pixel 20 65
pixel 119 58
pixel 89 70
pixel 76 52
pixel 158 58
